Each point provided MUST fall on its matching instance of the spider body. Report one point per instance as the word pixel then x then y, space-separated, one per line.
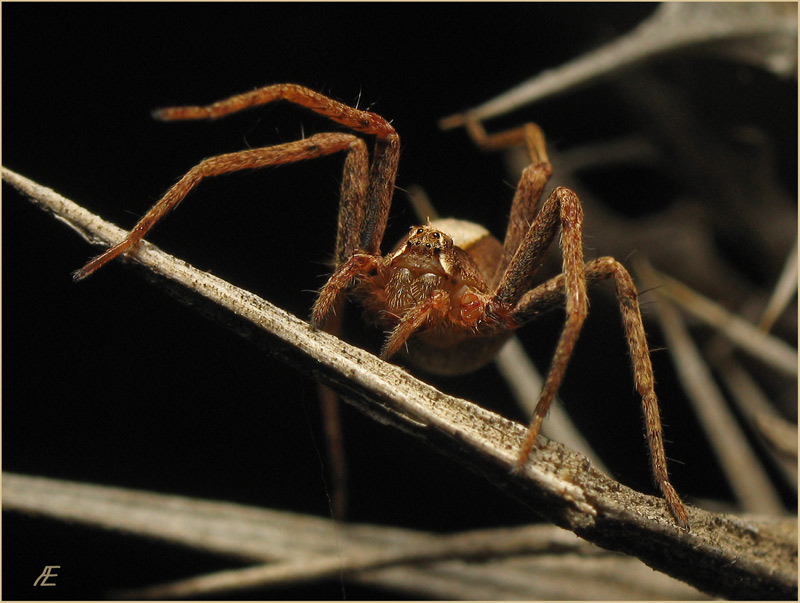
pixel 450 293
pixel 437 286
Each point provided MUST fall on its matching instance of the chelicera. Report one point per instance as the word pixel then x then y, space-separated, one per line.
pixel 450 293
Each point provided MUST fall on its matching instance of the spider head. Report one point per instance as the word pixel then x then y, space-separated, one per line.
pixel 423 248
pixel 427 240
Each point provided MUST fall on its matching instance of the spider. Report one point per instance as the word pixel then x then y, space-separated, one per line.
pixel 450 293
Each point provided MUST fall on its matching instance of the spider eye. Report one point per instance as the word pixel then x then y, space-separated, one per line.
pixel 419 231
pixel 435 235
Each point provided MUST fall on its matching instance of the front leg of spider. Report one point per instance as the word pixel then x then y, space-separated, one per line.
pixel 563 211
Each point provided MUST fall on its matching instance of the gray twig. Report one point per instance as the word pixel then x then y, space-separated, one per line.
pixel 772 351
pixel 723 555
pixel 758 33
pixel 523 562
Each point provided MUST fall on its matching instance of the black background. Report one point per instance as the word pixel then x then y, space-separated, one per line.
pixel 110 381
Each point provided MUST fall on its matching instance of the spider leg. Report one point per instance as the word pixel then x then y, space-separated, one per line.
pixel 331 292
pixel 530 187
pixel 366 194
pixel 527 240
pixel 436 305
pixel 309 148
pixel 365 224
pixel 514 305
pixel 385 155
pixel 563 207
pixel 334 435
pixel 351 219
pixel 550 294
pixel 365 122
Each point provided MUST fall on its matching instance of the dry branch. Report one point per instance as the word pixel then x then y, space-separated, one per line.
pixel 722 555
pixel 757 33
pixel 524 562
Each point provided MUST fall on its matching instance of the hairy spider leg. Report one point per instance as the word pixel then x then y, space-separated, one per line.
pixel 529 190
pixel 332 291
pixel 524 248
pixel 309 148
pixel 366 193
pixel 561 207
pixel 364 201
pixel 334 435
pixel 437 304
pixel 551 294
pixel 369 215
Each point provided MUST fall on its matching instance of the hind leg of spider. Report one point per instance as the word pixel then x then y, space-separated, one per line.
pixel 529 189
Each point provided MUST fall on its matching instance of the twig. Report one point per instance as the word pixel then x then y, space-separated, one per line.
pixel 763 34
pixel 746 336
pixel 722 555
pixel 785 290
pixel 464 546
pixel 524 562
pixel 778 436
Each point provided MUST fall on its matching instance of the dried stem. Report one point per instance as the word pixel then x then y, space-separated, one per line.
pixel 785 290
pixel 763 34
pixel 523 562
pixel 746 336
pixel 723 555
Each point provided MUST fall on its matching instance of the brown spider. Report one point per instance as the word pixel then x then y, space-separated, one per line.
pixel 450 292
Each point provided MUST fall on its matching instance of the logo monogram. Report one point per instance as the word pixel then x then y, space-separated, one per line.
pixel 47 573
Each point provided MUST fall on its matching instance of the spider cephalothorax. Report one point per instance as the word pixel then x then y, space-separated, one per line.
pixel 432 293
pixel 450 293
